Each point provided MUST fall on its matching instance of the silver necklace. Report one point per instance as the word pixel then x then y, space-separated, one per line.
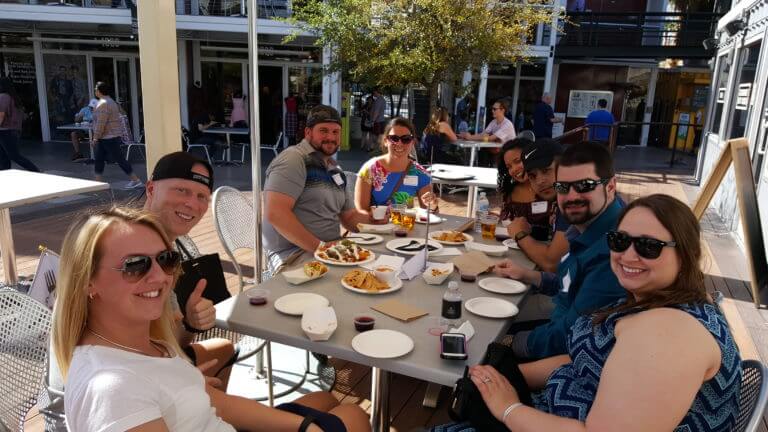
pixel 110 341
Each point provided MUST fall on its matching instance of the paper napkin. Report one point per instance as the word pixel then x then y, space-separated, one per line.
pixel 414 266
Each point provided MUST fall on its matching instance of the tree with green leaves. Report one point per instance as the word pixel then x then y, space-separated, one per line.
pixel 420 43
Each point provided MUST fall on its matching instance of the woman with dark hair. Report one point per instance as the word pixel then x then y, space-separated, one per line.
pixel 512 183
pixel 436 136
pixel 11 117
pixel 393 178
pixel 663 359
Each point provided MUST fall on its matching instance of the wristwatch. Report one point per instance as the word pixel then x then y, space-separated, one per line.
pixel 521 235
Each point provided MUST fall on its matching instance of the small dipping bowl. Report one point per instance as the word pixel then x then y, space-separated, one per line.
pixel 468 277
pixel 364 321
pixel 400 232
pixel 258 296
pixel 385 273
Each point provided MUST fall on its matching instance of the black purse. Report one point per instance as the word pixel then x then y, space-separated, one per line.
pixel 206 267
pixel 466 402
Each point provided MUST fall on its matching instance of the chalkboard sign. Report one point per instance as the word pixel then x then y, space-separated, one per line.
pixel 700 96
pixel 583 102
pixel 736 151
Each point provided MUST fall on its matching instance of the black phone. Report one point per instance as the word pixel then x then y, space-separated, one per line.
pixel 453 346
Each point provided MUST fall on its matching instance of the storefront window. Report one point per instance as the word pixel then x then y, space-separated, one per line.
pixel 67 86
pixel 743 93
pixel 20 68
pixel 721 90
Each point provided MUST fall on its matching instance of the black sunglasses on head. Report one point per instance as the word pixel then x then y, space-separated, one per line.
pixel 646 247
pixel 137 266
pixel 405 139
pixel 580 186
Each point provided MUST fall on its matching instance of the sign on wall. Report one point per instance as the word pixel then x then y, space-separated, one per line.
pixel 583 102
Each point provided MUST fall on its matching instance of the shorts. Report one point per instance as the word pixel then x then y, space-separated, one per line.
pixel 326 422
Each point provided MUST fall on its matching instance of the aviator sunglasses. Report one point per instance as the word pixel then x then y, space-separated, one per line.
pixel 405 139
pixel 137 266
pixel 580 186
pixel 646 247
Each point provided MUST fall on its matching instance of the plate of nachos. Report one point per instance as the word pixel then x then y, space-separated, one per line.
pixel 450 237
pixel 365 282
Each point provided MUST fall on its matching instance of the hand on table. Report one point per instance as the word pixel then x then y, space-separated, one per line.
pixel 495 389
pixel 509 269
pixel 200 312
pixel 429 198
pixel 517 225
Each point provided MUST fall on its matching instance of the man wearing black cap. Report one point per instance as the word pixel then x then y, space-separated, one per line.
pixel 539 161
pixel 178 193
pixel 305 195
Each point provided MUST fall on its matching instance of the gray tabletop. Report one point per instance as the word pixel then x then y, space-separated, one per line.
pixel 422 362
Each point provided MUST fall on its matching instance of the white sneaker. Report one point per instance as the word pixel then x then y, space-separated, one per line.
pixel 134 184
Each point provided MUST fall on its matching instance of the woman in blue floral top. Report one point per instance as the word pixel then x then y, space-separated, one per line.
pixel 379 176
pixel 663 359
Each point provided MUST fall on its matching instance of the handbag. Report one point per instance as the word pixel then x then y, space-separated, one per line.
pixel 466 402
pixel 206 267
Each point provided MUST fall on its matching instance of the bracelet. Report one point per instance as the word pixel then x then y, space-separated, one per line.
pixel 509 409
pixel 191 329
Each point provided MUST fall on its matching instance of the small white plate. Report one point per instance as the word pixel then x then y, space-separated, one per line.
pixel 382 343
pixel 511 243
pixel 421 217
pixel 467 238
pixel 365 238
pixel 396 243
pixel 394 286
pixel 451 175
pixel 297 303
pixel 491 307
pixel 493 250
pixel 502 285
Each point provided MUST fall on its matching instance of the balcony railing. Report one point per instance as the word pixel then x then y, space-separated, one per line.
pixel 234 8
pixel 74 3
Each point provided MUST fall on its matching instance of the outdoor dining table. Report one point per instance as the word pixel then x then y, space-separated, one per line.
pixel 473 146
pixel 228 132
pixel 472 177
pixel 423 362
pixel 31 187
pixel 86 127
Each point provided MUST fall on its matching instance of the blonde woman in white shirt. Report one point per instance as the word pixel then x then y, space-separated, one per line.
pixel 112 335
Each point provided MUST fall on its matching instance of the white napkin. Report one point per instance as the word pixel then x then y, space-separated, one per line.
pixel 395 262
pixel 414 266
pixel 370 228
pixel 446 251
pixel 466 329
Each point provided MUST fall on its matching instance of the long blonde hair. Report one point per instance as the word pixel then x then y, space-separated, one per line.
pixel 439 114
pixel 80 258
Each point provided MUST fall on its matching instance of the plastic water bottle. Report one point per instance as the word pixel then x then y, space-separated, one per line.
pixel 483 205
pixel 452 302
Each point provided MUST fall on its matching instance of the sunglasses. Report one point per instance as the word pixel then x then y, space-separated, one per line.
pixel 580 186
pixel 137 266
pixel 405 139
pixel 646 247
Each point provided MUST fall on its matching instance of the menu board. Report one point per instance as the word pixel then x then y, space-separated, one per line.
pixel 21 71
pixel 583 102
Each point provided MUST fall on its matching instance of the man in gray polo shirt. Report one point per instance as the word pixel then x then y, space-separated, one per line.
pixel 305 195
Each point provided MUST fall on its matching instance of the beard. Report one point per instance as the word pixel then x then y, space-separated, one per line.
pixel 580 217
pixel 320 147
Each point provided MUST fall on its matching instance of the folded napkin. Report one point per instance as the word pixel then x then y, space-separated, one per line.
pixel 446 251
pixel 399 310
pixel 395 262
pixel 466 329
pixel 466 226
pixel 370 228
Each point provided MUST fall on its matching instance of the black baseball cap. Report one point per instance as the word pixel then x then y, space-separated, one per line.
pixel 179 165
pixel 323 114
pixel 541 153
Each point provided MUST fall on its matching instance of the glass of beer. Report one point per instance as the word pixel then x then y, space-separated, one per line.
pixel 397 213
pixel 488 226
pixel 408 219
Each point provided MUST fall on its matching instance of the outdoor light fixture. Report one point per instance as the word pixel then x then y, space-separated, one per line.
pixel 710 44
pixel 735 26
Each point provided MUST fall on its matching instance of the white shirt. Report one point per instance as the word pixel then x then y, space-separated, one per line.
pixel 504 131
pixel 111 390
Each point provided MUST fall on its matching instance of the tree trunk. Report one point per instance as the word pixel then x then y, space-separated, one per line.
pixel 400 101
pixel 433 95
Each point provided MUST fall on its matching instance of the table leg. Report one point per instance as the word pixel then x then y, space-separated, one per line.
pixel 6 248
pixel 380 380
pixel 471 201
pixel 431 395
pixel 229 146
pixel 472 156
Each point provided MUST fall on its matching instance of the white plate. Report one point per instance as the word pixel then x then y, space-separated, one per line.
pixel 502 285
pixel 297 303
pixel 371 238
pixel 511 243
pixel 467 238
pixel 433 218
pixel 451 175
pixel 396 243
pixel 396 285
pixel 341 263
pixel 494 250
pixel 382 343
pixel 297 276
pixel 491 307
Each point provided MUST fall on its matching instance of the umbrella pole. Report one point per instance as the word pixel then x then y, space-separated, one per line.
pixel 253 83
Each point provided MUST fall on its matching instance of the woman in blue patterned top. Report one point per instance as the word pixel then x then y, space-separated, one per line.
pixel 663 359
pixel 379 176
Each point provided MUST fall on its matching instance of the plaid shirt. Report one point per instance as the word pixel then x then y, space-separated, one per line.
pixel 107 123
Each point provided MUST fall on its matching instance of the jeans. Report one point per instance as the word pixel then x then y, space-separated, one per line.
pixel 9 151
pixel 110 148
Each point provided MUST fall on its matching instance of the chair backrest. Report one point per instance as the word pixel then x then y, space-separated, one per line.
pixel 233 219
pixel 25 326
pixel 527 134
pixel 753 396
pixel 351 181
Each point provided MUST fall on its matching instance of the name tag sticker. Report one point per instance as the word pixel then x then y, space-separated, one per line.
pixel 566 282
pixel 337 179
pixel 565 257
pixel 539 207
pixel 411 181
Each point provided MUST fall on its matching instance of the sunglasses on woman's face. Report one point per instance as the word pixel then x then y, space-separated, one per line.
pixel 137 266
pixel 580 186
pixel 405 139
pixel 646 247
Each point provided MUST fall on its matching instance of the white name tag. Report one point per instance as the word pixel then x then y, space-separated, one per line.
pixel 565 257
pixel 337 179
pixel 566 282
pixel 411 181
pixel 539 207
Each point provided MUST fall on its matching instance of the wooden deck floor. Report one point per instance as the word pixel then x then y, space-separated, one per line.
pixel 725 263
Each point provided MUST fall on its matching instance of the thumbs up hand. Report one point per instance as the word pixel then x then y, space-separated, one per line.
pixel 200 313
